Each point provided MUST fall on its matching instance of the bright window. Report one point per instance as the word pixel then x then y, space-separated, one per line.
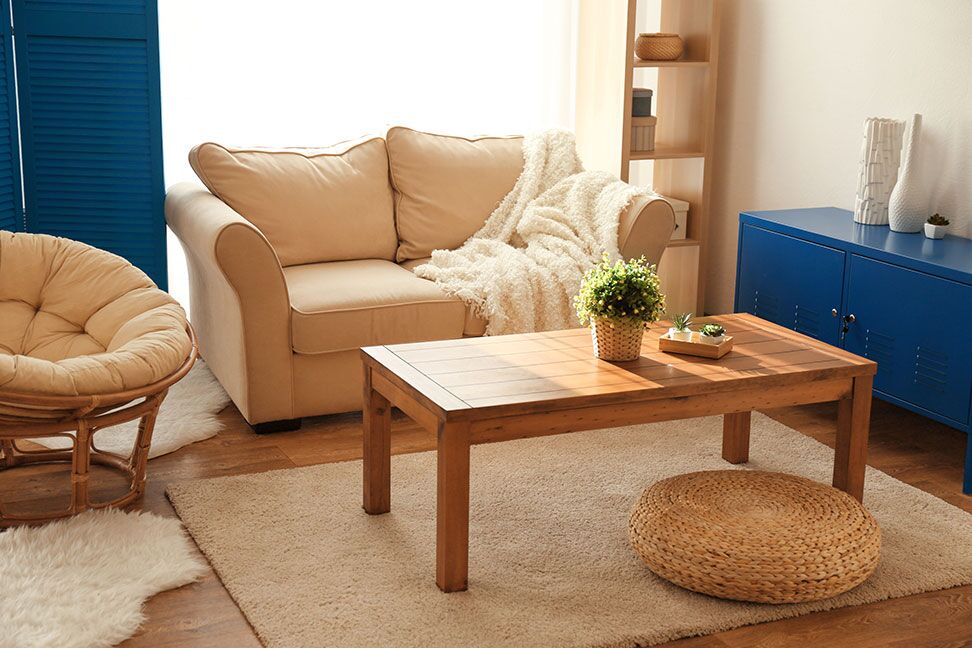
pixel 311 73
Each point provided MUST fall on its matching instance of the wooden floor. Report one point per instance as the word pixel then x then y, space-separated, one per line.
pixel 913 449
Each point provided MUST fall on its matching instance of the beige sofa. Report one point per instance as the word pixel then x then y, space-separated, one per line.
pixel 298 257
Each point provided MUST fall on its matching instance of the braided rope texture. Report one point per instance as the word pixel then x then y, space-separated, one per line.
pixel 617 340
pixel 659 47
pixel 755 536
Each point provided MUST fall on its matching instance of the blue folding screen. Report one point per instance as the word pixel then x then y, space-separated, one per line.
pixel 91 125
pixel 11 206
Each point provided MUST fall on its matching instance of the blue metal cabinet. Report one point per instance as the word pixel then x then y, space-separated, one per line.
pixel 791 282
pixel 875 292
pixel 928 366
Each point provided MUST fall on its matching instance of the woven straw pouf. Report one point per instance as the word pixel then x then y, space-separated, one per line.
pixel 755 536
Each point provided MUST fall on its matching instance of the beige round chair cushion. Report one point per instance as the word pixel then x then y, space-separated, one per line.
pixel 755 536
pixel 76 320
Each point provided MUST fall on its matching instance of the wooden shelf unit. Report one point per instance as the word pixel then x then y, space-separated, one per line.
pixel 638 63
pixel 684 103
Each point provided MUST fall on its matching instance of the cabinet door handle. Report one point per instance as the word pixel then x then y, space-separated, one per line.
pixel 849 319
pixel 833 312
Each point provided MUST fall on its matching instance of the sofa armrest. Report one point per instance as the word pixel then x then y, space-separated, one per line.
pixel 646 228
pixel 239 305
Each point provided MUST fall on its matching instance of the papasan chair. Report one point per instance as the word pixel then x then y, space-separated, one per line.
pixel 87 341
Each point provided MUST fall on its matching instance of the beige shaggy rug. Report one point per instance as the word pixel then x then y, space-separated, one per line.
pixel 81 582
pixel 188 415
pixel 550 563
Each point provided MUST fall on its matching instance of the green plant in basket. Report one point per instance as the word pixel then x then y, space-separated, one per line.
pixel 623 290
pixel 619 299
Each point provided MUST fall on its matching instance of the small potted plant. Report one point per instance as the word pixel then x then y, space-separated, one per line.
pixel 712 334
pixel 619 300
pixel 680 327
pixel 936 227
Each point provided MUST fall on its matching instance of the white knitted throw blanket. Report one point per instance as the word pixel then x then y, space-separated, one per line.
pixel 522 269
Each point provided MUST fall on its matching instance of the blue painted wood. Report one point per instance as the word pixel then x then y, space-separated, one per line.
pixel 91 133
pixel 11 197
pixel 776 285
pixel 892 283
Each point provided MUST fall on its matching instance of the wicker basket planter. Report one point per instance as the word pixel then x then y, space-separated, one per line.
pixel 659 47
pixel 616 339
pixel 755 536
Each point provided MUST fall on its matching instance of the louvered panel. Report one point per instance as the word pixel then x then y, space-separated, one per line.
pixel 767 306
pixel 92 133
pixel 807 321
pixel 931 369
pixel 136 7
pixel 11 205
pixel 880 348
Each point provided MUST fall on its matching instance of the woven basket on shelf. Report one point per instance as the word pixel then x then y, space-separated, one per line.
pixel 755 536
pixel 659 47
pixel 617 340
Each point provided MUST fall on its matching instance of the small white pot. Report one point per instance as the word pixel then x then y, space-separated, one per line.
pixel 680 334
pixel 935 231
pixel 709 339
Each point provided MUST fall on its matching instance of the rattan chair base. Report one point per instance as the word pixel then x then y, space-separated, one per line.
pixel 755 536
pixel 78 418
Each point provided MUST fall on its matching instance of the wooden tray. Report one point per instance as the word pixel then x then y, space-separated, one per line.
pixel 696 347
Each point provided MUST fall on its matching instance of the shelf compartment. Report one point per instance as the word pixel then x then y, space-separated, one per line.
pixel 638 63
pixel 667 153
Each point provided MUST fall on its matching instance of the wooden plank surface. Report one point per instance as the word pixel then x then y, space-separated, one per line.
pixel 474 378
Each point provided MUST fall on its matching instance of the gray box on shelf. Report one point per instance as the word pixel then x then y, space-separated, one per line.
pixel 641 102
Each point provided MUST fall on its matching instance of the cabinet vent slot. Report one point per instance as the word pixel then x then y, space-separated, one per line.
pixel 806 321
pixel 767 307
pixel 880 348
pixel 931 369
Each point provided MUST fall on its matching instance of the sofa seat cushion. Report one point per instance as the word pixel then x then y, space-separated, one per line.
pixel 446 186
pixel 349 304
pixel 312 204
pixel 474 325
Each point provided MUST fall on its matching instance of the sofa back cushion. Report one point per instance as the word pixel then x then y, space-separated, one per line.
pixel 313 205
pixel 447 186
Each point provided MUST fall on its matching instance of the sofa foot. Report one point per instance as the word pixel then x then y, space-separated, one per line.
pixel 286 425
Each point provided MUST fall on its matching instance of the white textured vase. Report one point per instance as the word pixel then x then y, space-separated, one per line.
pixel 880 157
pixel 908 207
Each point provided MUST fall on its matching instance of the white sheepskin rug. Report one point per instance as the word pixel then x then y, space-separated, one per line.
pixel 188 415
pixel 81 582
pixel 521 270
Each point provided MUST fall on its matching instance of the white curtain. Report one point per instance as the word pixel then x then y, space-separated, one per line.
pixel 311 73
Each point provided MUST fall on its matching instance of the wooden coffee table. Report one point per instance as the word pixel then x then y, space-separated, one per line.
pixel 484 390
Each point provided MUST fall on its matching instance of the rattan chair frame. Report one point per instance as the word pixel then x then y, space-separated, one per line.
pixel 78 418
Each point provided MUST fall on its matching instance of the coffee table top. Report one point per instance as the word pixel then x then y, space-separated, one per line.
pixel 512 374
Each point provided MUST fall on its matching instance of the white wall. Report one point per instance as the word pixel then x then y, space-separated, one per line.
pixel 796 80
pixel 313 72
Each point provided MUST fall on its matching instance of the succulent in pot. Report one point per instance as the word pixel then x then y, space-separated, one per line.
pixel 680 327
pixel 936 226
pixel 619 299
pixel 712 333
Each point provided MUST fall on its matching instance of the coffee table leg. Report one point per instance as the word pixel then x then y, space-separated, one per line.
pixel 853 425
pixel 452 508
pixel 735 437
pixel 376 419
